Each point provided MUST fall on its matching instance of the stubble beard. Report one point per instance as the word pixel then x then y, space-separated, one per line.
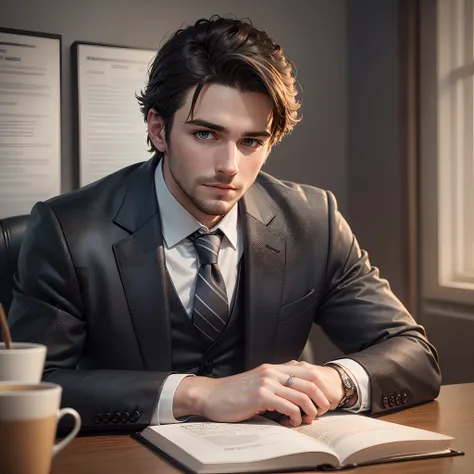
pixel 207 208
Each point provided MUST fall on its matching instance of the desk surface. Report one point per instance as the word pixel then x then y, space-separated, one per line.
pixel 451 414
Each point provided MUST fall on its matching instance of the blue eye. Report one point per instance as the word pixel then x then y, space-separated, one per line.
pixel 251 143
pixel 203 135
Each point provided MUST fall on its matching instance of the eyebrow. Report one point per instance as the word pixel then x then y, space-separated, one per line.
pixel 222 129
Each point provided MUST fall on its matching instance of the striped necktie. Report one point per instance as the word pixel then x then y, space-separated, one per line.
pixel 211 307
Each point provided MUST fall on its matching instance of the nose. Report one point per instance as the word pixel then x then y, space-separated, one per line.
pixel 228 161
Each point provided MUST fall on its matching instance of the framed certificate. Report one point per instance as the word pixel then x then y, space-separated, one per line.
pixel 30 119
pixel 111 132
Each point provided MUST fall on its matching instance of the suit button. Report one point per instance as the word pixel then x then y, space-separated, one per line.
pixel 135 416
pixel 385 402
pixel 106 417
pixel 391 400
pixel 208 367
pixel 404 398
pixel 97 418
pixel 116 417
pixel 398 399
pixel 125 417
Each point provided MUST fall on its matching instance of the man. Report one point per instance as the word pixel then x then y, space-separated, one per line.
pixel 188 284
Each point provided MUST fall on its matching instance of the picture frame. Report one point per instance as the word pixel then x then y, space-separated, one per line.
pixel 110 132
pixel 30 119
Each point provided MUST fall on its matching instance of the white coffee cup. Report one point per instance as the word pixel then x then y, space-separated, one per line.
pixel 29 414
pixel 23 363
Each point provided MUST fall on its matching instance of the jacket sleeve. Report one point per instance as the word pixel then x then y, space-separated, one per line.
pixel 362 316
pixel 47 308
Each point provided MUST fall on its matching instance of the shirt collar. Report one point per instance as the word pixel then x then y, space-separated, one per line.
pixel 177 223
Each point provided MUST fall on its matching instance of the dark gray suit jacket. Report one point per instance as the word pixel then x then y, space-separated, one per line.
pixel 91 286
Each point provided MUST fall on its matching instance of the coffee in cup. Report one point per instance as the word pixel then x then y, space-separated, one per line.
pixel 29 414
pixel 23 363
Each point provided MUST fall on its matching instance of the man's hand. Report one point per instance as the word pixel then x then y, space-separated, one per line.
pixel 314 390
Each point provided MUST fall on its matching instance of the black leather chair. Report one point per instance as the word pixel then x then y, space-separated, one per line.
pixel 11 235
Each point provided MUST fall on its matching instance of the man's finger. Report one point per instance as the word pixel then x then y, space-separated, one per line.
pixel 302 400
pixel 309 380
pixel 285 407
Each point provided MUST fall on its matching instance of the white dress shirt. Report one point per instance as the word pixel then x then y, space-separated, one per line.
pixel 183 266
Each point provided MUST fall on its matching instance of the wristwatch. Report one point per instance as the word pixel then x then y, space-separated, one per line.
pixel 347 384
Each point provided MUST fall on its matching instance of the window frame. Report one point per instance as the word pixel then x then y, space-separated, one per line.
pixel 443 202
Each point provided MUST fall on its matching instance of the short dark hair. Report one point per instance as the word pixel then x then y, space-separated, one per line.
pixel 222 51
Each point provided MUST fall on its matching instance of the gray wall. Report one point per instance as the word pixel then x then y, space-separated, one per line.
pixel 375 186
pixel 313 34
pixel 373 164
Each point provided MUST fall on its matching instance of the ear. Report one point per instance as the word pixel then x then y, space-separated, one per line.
pixel 156 130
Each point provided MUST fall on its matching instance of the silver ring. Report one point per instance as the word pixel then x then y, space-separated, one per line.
pixel 289 381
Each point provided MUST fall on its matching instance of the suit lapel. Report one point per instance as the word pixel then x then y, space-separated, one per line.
pixel 264 266
pixel 141 262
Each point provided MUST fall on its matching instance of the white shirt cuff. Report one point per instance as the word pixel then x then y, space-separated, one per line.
pixel 361 379
pixel 164 411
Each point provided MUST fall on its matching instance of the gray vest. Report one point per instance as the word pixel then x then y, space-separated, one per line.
pixel 191 354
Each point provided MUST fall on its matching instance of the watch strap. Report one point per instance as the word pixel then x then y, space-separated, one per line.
pixel 350 389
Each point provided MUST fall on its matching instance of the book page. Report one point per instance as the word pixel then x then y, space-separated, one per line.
pixel 255 440
pixel 347 434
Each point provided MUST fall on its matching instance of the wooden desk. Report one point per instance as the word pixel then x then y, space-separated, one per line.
pixel 452 414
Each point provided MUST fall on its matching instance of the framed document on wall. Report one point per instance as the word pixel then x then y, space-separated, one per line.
pixel 30 119
pixel 111 133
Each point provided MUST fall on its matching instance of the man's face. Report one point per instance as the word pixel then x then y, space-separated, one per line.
pixel 215 156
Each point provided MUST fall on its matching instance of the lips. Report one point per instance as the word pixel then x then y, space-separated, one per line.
pixel 221 186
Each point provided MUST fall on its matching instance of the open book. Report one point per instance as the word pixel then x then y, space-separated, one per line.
pixel 259 445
